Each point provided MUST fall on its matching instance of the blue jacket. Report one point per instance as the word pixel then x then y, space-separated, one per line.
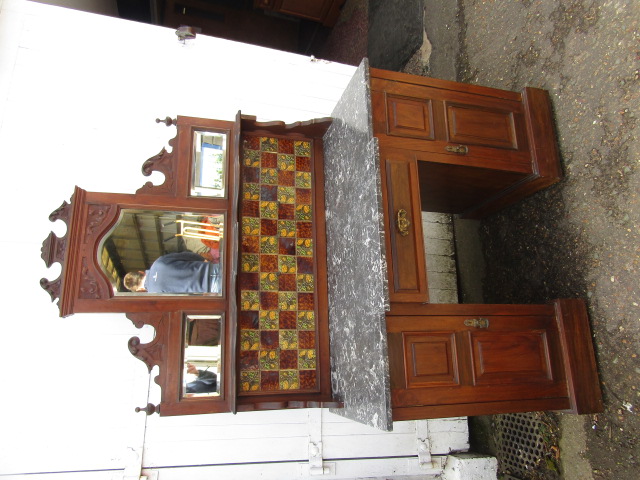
pixel 182 272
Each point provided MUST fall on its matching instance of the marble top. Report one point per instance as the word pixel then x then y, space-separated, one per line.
pixel 356 265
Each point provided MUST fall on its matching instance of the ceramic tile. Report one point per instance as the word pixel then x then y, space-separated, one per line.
pixel 277 277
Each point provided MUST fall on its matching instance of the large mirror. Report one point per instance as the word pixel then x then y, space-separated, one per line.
pixel 202 373
pixel 209 164
pixel 153 252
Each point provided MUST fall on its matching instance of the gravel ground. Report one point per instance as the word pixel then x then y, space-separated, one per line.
pixel 580 238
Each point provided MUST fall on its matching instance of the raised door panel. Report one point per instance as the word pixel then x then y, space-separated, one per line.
pixel 455 127
pixel 410 117
pixel 430 359
pixel 513 359
pixel 476 125
pixel 508 357
pixel 402 216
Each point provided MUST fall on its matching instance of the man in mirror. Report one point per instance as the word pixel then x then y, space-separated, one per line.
pixel 180 272
pixel 206 381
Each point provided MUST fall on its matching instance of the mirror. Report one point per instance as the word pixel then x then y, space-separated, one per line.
pixel 209 161
pixel 153 252
pixel 202 369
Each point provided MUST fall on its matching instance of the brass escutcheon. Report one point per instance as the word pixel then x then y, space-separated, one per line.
pixel 402 222
pixel 459 149
pixel 477 322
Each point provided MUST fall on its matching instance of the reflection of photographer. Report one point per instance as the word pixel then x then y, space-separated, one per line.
pixel 207 382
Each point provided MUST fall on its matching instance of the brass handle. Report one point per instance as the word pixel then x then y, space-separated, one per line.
pixel 459 149
pixel 402 222
pixel 477 322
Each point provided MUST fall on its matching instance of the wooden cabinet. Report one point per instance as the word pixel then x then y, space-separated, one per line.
pixel 448 360
pixel 405 261
pixel 323 11
pixel 477 149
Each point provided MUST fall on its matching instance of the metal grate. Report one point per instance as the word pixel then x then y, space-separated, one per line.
pixel 525 446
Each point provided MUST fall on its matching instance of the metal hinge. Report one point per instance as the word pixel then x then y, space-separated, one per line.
pixel 423 444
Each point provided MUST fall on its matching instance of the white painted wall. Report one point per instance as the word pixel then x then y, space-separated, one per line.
pixel 79 94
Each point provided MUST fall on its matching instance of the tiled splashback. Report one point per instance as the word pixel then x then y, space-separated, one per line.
pixel 277 277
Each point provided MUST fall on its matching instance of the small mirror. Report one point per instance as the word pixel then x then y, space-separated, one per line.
pixel 202 374
pixel 154 252
pixel 209 161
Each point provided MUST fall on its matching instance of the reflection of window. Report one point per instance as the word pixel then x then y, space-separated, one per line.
pixel 202 375
pixel 177 252
pixel 209 160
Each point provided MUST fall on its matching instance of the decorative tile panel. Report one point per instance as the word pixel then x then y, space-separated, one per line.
pixel 277 321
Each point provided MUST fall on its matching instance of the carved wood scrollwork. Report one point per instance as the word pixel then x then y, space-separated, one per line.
pixel 53 250
pixel 164 163
pixel 151 353
pixel 96 215
pixel 89 286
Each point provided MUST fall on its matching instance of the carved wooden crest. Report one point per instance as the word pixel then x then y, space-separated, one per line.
pixel 53 250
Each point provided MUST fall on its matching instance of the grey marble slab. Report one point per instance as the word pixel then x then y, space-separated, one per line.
pixel 356 266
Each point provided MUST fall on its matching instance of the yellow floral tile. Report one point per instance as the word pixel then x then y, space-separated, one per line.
pixel 250 226
pixel 268 244
pixel 250 262
pixel 249 340
pixel 289 380
pixel 286 264
pixel 287 300
pixel 288 339
pixel 304 247
pixel 287 228
pixel 305 282
pixel 251 191
pixel 269 319
pixel 306 320
pixel 306 359
pixel 250 381
pixel 269 209
pixel 269 281
pixel 303 212
pixel 303 180
pixel 286 194
pixel 269 360
pixel 249 300
pixel 302 148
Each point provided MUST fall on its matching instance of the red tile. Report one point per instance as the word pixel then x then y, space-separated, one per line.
pixel 270 380
pixel 250 208
pixel 287 282
pixel 268 193
pixel 268 263
pixel 306 339
pixel 250 175
pixel 269 339
pixel 303 195
pixel 285 145
pixel 249 281
pixel 303 164
pixel 305 264
pixel 249 360
pixel 286 178
pixel 248 320
pixel 305 301
pixel 307 379
pixel 288 359
pixel 268 227
pixel 286 211
pixel 269 300
pixel 251 143
pixel 268 160
pixel 304 229
pixel 286 246
pixel 288 320
pixel 250 244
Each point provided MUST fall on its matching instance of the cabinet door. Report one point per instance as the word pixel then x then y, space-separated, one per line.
pixel 403 224
pixel 449 360
pixel 455 127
